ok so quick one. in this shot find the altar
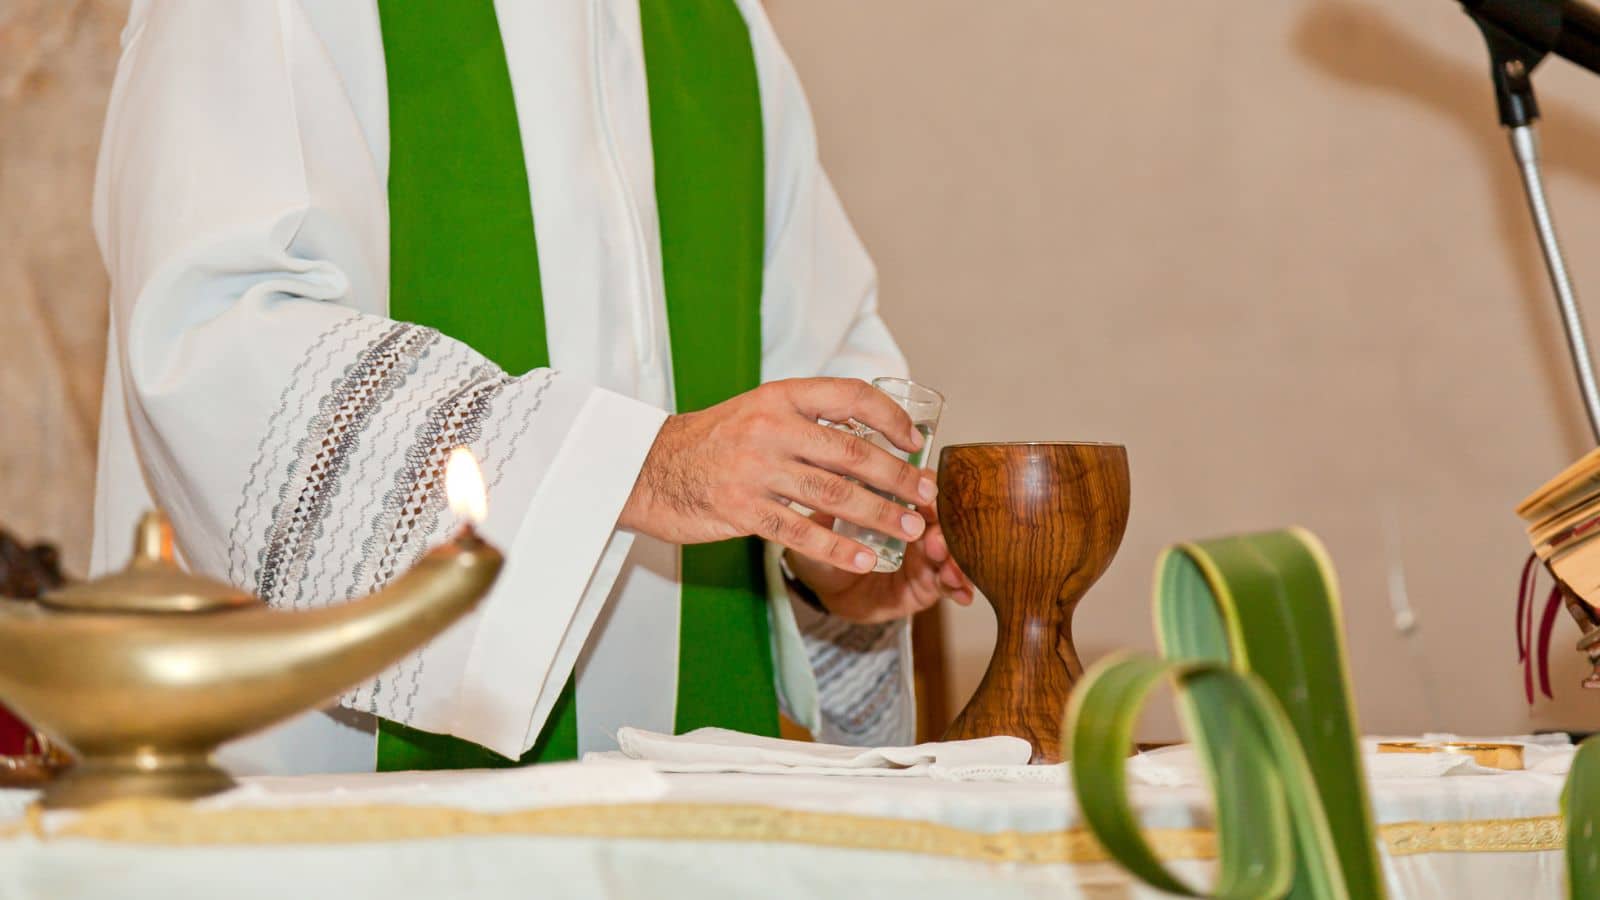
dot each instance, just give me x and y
(625, 829)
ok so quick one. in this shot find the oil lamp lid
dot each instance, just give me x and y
(152, 582)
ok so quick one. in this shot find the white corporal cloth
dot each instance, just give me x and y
(620, 829)
(257, 391)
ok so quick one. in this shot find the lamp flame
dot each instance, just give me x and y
(463, 485)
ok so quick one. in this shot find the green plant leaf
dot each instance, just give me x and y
(1275, 597)
(1101, 716)
(1253, 636)
(1580, 804)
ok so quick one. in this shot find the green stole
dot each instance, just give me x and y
(463, 260)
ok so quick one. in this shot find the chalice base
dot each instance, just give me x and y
(93, 781)
(1025, 701)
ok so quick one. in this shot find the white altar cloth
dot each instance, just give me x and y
(620, 829)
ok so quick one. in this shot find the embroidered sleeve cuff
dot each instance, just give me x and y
(346, 492)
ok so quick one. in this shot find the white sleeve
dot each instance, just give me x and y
(293, 432)
(848, 684)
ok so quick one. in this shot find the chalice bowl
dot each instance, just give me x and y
(1034, 525)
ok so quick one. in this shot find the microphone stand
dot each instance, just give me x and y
(1512, 63)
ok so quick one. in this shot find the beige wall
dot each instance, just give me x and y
(56, 62)
(1274, 246)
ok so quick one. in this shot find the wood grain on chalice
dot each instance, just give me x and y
(1034, 525)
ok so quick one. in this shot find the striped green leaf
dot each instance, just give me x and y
(1253, 638)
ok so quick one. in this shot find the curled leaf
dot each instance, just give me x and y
(1267, 804)
(1253, 638)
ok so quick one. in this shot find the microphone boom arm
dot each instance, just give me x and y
(1525, 147)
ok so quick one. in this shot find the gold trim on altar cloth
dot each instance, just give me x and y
(174, 824)
(1481, 836)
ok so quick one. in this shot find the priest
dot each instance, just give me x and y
(590, 241)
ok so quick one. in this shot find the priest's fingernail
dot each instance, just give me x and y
(865, 561)
(912, 525)
(927, 490)
(917, 440)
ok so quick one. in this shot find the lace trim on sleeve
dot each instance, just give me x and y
(347, 489)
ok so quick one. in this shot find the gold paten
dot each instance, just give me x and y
(1485, 753)
(142, 674)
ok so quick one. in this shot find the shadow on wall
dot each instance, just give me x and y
(1357, 44)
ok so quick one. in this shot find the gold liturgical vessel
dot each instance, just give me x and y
(144, 673)
(1493, 755)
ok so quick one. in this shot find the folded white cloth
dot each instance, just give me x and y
(720, 750)
(1179, 766)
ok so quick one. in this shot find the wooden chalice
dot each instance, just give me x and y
(1034, 526)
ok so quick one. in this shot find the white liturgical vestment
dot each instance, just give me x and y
(257, 391)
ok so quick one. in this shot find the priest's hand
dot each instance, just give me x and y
(928, 573)
(731, 471)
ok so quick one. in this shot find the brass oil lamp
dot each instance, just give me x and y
(142, 674)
